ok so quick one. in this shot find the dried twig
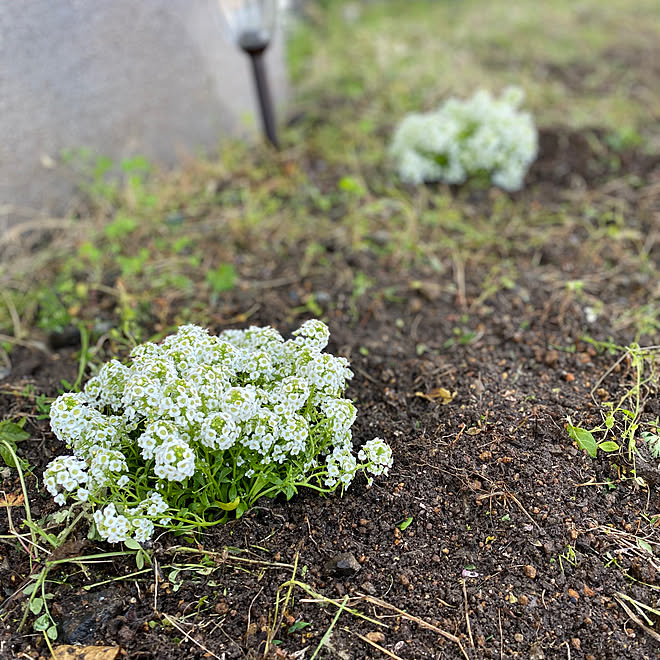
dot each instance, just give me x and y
(415, 619)
(382, 649)
(189, 637)
(467, 614)
(637, 620)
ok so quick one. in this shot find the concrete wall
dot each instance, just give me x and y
(122, 77)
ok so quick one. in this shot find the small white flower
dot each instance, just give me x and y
(378, 454)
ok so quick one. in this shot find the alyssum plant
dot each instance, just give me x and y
(201, 425)
(481, 136)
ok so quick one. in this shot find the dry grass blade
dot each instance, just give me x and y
(467, 614)
(28, 343)
(415, 619)
(279, 617)
(189, 637)
(226, 557)
(632, 544)
(382, 649)
(320, 598)
(15, 233)
(328, 632)
(636, 619)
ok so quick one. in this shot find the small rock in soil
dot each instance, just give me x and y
(344, 565)
(68, 337)
(536, 652)
(221, 607)
(368, 588)
(530, 571)
(644, 571)
(88, 615)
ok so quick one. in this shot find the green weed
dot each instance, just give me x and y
(623, 421)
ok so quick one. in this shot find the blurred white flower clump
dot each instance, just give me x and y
(481, 136)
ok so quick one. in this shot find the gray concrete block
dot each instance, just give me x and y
(157, 78)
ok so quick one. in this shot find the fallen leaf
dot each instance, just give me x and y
(68, 652)
(12, 499)
(441, 394)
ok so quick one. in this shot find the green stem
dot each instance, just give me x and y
(328, 632)
(26, 501)
(208, 473)
(84, 356)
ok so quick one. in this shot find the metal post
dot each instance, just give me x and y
(256, 54)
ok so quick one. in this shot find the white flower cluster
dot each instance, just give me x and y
(378, 456)
(479, 136)
(247, 399)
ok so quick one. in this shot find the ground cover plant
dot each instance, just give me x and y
(499, 340)
(203, 424)
(480, 137)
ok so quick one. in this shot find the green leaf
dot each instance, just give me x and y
(139, 560)
(36, 605)
(653, 442)
(223, 278)
(584, 439)
(52, 632)
(241, 508)
(608, 446)
(42, 623)
(298, 625)
(6, 454)
(229, 506)
(30, 588)
(132, 544)
(405, 523)
(351, 185)
(644, 545)
(12, 432)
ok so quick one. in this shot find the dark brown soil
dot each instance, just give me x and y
(517, 544)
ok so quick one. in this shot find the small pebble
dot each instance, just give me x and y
(530, 571)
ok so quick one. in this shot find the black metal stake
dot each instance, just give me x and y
(256, 52)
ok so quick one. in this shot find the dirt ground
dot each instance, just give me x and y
(494, 536)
